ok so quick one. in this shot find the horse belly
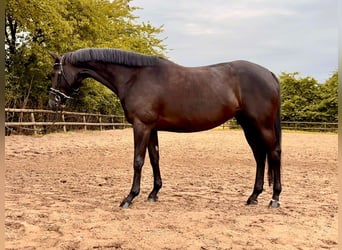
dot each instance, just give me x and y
(193, 119)
(197, 99)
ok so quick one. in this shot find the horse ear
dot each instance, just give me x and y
(55, 56)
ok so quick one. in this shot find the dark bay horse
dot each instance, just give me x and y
(159, 95)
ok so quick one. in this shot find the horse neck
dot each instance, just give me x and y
(112, 76)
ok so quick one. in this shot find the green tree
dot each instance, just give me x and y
(298, 95)
(35, 27)
(327, 106)
(304, 99)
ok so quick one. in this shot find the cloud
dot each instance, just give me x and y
(281, 35)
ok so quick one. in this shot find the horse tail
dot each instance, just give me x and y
(277, 149)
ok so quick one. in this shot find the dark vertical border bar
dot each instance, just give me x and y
(339, 161)
(2, 124)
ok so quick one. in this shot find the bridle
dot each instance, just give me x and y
(58, 95)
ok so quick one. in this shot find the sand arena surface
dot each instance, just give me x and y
(63, 192)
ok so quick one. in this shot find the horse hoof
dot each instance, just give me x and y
(274, 204)
(125, 204)
(151, 199)
(252, 202)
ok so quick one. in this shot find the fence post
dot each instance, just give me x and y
(112, 120)
(34, 125)
(100, 121)
(64, 126)
(20, 119)
(84, 121)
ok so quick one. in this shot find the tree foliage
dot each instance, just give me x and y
(35, 27)
(304, 99)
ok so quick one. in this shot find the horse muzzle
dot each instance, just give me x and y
(55, 106)
(57, 99)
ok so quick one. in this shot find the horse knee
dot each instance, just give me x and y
(138, 163)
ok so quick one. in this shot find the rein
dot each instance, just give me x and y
(58, 94)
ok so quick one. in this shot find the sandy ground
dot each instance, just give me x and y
(63, 192)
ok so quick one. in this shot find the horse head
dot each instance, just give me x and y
(65, 81)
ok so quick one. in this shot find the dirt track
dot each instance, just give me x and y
(63, 192)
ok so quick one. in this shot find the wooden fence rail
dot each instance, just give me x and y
(304, 126)
(311, 126)
(42, 121)
(34, 121)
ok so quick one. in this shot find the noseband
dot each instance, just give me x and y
(56, 92)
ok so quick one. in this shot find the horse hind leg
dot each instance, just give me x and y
(274, 166)
(258, 147)
(274, 162)
(272, 148)
(153, 150)
(259, 153)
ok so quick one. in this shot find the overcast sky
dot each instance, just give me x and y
(282, 35)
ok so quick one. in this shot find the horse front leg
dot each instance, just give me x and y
(141, 140)
(153, 151)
